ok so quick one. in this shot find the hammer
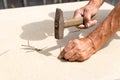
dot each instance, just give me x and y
(60, 24)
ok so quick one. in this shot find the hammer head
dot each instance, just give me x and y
(59, 24)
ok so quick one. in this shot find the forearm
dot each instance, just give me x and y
(106, 29)
(96, 3)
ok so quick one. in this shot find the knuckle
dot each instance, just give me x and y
(83, 57)
(76, 41)
(66, 56)
(86, 9)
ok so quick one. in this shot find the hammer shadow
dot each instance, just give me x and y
(38, 31)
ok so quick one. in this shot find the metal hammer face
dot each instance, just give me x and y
(59, 24)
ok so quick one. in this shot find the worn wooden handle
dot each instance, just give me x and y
(75, 21)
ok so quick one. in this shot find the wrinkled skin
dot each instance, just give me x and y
(86, 12)
(82, 49)
(78, 50)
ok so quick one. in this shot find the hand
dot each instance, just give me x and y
(86, 12)
(78, 50)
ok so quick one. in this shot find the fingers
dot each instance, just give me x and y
(70, 55)
(67, 48)
(87, 25)
(70, 52)
(86, 17)
(78, 13)
(76, 51)
(87, 22)
(75, 57)
(66, 54)
(61, 54)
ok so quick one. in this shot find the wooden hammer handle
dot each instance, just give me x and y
(75, 21)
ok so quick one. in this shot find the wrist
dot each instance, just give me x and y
(96, 3)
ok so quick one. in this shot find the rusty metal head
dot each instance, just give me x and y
(59, 24)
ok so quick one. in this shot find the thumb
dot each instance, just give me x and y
(86, 20)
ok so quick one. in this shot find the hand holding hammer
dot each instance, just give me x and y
(60, 23)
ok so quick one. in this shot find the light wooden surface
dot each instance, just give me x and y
(36, 25)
